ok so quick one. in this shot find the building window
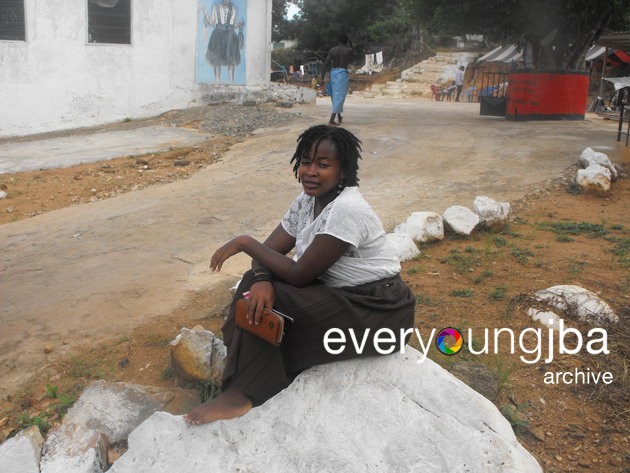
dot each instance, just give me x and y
(12, 25)
(109, 21)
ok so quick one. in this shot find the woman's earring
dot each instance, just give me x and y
(339, 188)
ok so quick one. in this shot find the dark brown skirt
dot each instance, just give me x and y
(261, 370)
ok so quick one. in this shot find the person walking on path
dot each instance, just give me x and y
(459, 82)
(337, 61)
(344, 276)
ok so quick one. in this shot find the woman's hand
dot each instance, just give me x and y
(228, 250)
(261, 295)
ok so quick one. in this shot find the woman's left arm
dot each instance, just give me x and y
(321, 254)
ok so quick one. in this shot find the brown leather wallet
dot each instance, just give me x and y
(272, 327)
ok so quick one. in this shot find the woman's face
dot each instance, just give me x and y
(320, 172)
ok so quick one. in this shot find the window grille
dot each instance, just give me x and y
(12, 25)
(109, 21)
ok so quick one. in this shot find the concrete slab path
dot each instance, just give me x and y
(92, 271)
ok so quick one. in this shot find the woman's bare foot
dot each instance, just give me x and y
(230, 403)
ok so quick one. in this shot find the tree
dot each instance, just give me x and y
(367, 22)
(558, 32)
(279, 20)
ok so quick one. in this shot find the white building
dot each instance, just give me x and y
(73, 63)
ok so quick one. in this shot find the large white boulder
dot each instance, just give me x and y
(22, 452)
(578, 302)
(460, 219)
(422, 226)
(384, 414)
(74, 448)
(115, 409)
(589, 156)
(594, 178)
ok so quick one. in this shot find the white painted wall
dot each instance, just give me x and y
(57, 80)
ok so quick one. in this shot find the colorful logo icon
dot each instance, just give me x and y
(449, 341)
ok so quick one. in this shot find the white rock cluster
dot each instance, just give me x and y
(105, 414)
(422, 227)
(597, 172)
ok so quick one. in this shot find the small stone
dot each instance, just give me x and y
(558, 457)
(49, 348)
(181, 163)
(141, 162)
(3, 195)
(3, 187)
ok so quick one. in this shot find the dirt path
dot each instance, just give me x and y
(93, 270)
(77, 275)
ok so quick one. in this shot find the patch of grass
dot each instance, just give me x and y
(564, 238)
(616, 227)
(620, 251)
(82, 368)
(576, 267)
(207, 390)
(66, 401)
(462, 261)
(499, 241)
(592, 230)
(155, 340)
(483, 276)
(426, 300)
(414, 270)
(25, 420)
(521, 255)
(52, 391)
(126, 120)
(515, 417)
(498, 293)
(461, 293)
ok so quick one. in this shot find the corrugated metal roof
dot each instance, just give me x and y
(502, 53)
(595, 52)
(615, 40)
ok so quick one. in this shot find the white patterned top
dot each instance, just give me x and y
(350, 219)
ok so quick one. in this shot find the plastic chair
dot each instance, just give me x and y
(436, 93)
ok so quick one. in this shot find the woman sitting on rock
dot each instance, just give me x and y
(344, 275)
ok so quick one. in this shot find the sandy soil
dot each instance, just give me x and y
(479, 282)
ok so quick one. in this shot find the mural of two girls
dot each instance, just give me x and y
(225, 21)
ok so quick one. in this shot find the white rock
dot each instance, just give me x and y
(578, 302)
(423, 226)
(403, 245)
(384, 414)
(3, 195)
(76, 449)
(198, 355)
(589, 156)
(547, 318)
(22, 452)
(491, 212)
(460, 219)
(594, 178)
(115, 409)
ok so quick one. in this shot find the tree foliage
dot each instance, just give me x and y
(559, 32)
(369, 23)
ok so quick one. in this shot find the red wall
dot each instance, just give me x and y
(536, 95)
